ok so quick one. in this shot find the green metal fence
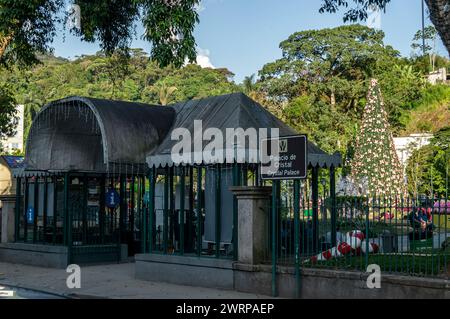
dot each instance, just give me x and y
(189, 211)
(69, 209)
(402, 235)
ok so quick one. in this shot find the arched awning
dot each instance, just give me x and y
(93, 135)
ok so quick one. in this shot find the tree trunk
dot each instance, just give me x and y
(4, 42)
(440, 16)
(333, 98)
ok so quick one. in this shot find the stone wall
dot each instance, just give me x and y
(335, 284)
(36, 255)
(181, 270)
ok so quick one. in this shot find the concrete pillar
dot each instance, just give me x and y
(8, 218)
(253, 223)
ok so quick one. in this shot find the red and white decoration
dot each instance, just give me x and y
(355, 244)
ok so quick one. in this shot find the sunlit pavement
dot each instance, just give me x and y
(104, 281)
(7, 292)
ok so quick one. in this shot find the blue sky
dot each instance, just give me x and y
(243, 35)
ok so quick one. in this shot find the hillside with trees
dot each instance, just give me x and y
(319, 85)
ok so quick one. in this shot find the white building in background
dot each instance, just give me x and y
(16, 142)
(439, 76)
(405, 146)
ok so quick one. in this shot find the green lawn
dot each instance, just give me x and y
(424, 263)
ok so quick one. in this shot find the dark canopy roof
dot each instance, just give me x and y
(95, 135)
(87, 134)
(230, 111)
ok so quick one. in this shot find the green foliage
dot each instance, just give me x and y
(423, 65)
(429, 34)
(430, 112)
(319, 86)
(333, 61)
(8, 118)
(359, 12)
(321, 81)
(401, 87)
(169, 27)
(130, 78)
(193, 81)
(28, 27)
(110, 22)
(324, 125)
(428, 167)
(431, 95)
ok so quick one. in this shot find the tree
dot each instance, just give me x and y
(426, 48)
(28, 27)
(193, 82)
(428, 167)
(248, 84)
(439, 13)
(116, 69)
(165, 93)
(401, 86)
(320, 84)
(328, 59)
(101, 76)
(429, 34)
(8, 117)
(375, 158)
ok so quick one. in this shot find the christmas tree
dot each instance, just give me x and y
(375, 159)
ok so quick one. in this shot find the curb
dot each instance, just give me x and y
(63, 296)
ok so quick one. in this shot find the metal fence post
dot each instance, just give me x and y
(181, 219)
(55, 208)
(190, 213)
(366, 255)
(45, 208)
(67, 220)
(199, 211)
(36, 208)
(132, 207)
(333, 205)
(17, 209)
(218, 209)
(151, 209)
(315, 207)
(275, 185)
(66, 207)
(122, 213)
(166, 211)
(297, 236)
(144, 215)
(235, 212)
(102, 209)
(85, 208)
(171, 232)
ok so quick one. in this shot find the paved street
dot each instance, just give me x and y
(107, 281)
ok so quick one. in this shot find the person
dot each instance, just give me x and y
(421, 220)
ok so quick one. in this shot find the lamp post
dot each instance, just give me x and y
(423, 27)
(323, 181)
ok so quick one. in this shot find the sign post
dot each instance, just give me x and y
(289, 163)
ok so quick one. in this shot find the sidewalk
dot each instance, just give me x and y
(107, 281)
